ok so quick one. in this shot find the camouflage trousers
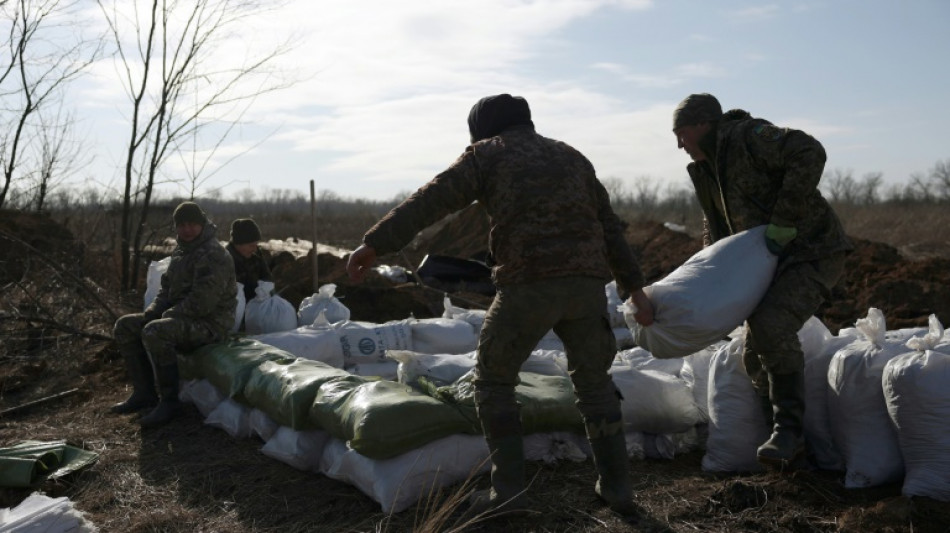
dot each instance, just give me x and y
(520, 315)
(160, 340)
(772, 344)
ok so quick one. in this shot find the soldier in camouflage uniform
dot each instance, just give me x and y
(195, 306)
(555, 242)
(748, 172)
(250, 266)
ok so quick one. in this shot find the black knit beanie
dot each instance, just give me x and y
(494, 114)
(189, 212)
(245, 230)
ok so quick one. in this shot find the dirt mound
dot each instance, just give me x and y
(20, 232)
(876, 275)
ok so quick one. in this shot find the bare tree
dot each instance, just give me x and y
(47, 51)
(940, 177)
(185, 97)
(60, 155)
(840, 186)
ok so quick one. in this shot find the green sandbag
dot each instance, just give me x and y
(228, 365)
(383, 419)
(285, 391)
(31, 462)
(547, 402)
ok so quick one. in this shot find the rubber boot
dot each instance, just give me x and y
(500, 417)
(169, 407)
(766, 404)
(507, 492)
(786, 445)
(609, 446)
(143, 395)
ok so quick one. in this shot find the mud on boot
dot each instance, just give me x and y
(609, 446)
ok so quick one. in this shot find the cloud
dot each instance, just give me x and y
(756, 13)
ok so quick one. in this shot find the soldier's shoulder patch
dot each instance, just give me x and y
(768, 132)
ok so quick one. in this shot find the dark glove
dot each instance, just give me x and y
(777, 237)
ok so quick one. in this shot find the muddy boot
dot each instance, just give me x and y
(143, 395)
(507, 492)
(786, 446)
(169, 407)
(609, 446)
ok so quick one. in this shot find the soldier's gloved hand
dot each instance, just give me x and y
(778, 237)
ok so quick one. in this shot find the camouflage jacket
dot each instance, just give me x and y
(249, 270)
(764, 174)
(199, 284)
(549, 214)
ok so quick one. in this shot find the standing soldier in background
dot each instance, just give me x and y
(555, 242)
(250, 266)
(748, 172)
(194, 307)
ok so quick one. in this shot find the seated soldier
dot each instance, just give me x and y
(195, 306)
(250, 266)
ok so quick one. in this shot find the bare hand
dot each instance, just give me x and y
(644, 307)
(361, 260)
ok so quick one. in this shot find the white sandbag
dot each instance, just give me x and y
(641, 359)
(267, 313)
(262, 425)
(203, 394)
(475, 317)
(388, 370)
(153, 279)
(695, 373)
(41, 514)
(635, 441)
(819, 346)
(613, 306)
(443, 335)
(556, 446)
(706, 297)
(654, 402)
(239, 309)
(302, 450)
(232, 417)
(546, 363)
(624, 338)
(319, 341)
(440, 369)
(325, 301)
(366, 342)
(860, 424)
(736, 423)
(550, 341)
(917, 394)
(398, 483)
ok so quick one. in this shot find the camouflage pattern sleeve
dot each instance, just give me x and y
(161, 303)
(213, 276)
(799, 157)
(450, 191)
(620, 259)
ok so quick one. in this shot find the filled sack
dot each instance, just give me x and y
(707, 297)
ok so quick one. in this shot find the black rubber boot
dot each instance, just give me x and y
(786, 446)
(140, 373)
(609, 446)
(169, 407)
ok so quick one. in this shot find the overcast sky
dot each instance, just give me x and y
(386, 86)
